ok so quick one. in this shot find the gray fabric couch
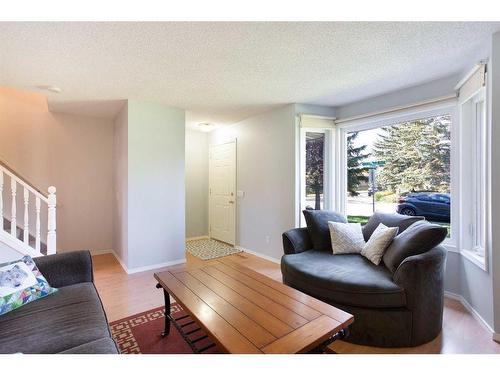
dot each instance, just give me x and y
(394, 305)
(72, 320)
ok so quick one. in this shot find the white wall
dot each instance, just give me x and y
(120, 185)
(266, 174)
(196, 183)
(494, 76)
(8, 254)
(80, 163)
(156, 185)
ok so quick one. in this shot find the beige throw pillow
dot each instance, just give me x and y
(379, 241)
(347, 238)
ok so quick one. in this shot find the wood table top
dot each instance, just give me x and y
(246, 312)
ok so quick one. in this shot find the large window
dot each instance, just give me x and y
(315, 167)
(399, 166)
(473, 176)
(314, 170)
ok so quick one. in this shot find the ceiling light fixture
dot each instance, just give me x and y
(50, 88)
(206, 126)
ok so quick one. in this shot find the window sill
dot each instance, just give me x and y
(474, 258)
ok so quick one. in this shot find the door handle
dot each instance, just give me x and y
(231, 201)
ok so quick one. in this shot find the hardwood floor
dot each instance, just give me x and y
(124, 295)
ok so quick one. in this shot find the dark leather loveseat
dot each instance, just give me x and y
(72, 320)
(398, 303)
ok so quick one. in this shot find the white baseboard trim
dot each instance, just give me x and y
(197, 238)
(150, 267)
(495, 336)
(100, 252)
(260, 255)
(155, 266)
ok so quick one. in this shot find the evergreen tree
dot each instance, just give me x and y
(416, 155)
(314, 168)
(355, 172)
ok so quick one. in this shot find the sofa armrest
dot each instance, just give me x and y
(296, 241)
(66, 268)
(422, 277)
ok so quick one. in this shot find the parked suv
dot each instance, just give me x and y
(434, 206)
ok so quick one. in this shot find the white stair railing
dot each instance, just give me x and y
(28, 239)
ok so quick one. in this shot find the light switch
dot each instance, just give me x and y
(240, 193)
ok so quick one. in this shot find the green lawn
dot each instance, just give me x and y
(357, 219)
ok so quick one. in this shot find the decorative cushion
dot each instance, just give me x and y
(347, 238)
(380, 239)
(390, 220)
(20, 283)
(317, 225)
(419, 238)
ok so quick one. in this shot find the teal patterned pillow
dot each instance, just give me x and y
(20, 283)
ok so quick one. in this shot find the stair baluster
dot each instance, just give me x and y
(37, 230)
(26, 232)
(19, 237)
(51, 225)
(13, 221)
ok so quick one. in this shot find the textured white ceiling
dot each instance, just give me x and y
(224, 72)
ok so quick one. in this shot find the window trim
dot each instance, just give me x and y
(404, 115)
(328, 185)
(479, 258)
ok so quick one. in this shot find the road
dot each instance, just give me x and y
(362, 205)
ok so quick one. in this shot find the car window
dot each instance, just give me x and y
(441, 198)
(423, 198)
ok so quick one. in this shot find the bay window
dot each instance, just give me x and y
(430, 159)
(398, 164)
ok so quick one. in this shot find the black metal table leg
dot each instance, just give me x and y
(320, 349)
(168, 317)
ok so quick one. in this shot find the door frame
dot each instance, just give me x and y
(210, 146)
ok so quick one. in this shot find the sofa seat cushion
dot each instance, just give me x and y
(348, 279)
(69, 318)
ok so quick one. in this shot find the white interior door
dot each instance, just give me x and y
(222, 194)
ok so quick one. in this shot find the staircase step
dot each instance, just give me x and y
(20, 236)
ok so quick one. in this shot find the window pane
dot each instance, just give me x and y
(314, 173)
(402, 168)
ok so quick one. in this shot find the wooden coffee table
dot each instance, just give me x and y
(244, 311)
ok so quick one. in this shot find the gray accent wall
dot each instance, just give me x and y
(478, 287)
(430, 90)
(196, 183)
(266, 175)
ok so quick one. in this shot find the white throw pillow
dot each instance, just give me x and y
(379, 241)
(347, 238)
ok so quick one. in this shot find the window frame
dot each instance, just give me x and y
(423, 111)
(327, 169)
(478, 255)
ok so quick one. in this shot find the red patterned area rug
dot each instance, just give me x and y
(141, 333)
